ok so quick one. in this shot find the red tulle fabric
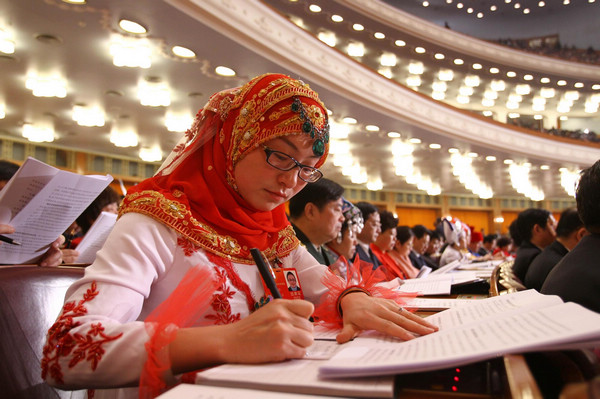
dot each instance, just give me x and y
(183, 308)
(359, 274)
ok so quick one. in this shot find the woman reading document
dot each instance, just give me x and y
(175, 288)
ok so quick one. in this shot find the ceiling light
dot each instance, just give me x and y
(178, 122)
(541, 4)
(435, 146)
(545, 80)
(446, 75)
(547, 92)
(413, 81)
(349, 120)
(513, 115)
(511, 74)
(512, 105)
(372, 128)
(563, 107)
(338, 146)
(477, 66)
(490, 158)
(487, 113)
(153, 154)
(545, 167)
(375, 185)
(458, 61)
(472, 155)
(472, 80)
(153, 94)
(439, 86)
(336, 18)
(328, 38)
(528, 77)
(314, 8)
(224, 71)
(52, 86)
(414, 140)
(508, 161)
(538, 117)
(563, 118)
(425, 4)
(470, 10)
(578, 85)
(493, 8)
(2, 110)
(517, 5)
(130, 52)
(523, 89)
(379, 35)
(438, 95)
(572, 95)
(439, 56)
(123, 138)
(387, 72)
(462, 99)
(596, 87)
(338, 130)
(420, 50)
(479, 15)
(393, 135)
(488, 102)
(490, 94)
(388, 59)
(465, 91)
(400, 43)
(494, 70)
(132, 27)
(183, 52)
(343, 160)
(358, 27)
(452, 150)
(74, 1)
(416, 68)
(459, 5)
(355, 49)
(561, 83)
(88, 116)
(591, 107)
(41, 133)
(7, 45)
(498, 85)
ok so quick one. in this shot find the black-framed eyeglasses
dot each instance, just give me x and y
(282, 161)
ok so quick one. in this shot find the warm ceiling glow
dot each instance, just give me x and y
(178, 122)
(183, 52)
(349, 120)
(132, 27)
(42, 133)
(379, 35)
(393, 135)
(420, 50)
(123, 137)
(490, 158)
(153, 94)
(85, 116)
(336, 18)
(314, 8)
(328, 38)
(52, 86)
(372, 128)
(224, 71)
(435, 146)
(130, 52)
(7, 44)
(358, 27)
(400, 43)
(355, 49)
(153, 154)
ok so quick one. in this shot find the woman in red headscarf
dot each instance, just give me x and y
(175, 287)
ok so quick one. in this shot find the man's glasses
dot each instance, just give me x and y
(282, 161)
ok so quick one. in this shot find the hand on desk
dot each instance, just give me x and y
(69, 255)
(53, 257)
(363, 312)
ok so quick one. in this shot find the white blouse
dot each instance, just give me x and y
(139, 266)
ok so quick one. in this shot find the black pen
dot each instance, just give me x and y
(265, 271)
(9, 240)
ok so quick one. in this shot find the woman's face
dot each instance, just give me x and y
(404, 249)
(265, 187)
(386, 239)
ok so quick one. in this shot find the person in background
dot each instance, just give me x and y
(569, 231)
(384, 243)
(53, 256)
(175, 288)
(400, 252)
(475, 243)
(432, 253)
(369, 233)
(420, 244)
(503, 248)
(456, 239)
(344, 245)
(533, 231)
(489, 244)
(576, 277)
(316, 216)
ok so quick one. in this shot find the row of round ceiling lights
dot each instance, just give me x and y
(494, 8)
(357, 50)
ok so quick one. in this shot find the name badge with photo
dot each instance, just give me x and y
(288, 283)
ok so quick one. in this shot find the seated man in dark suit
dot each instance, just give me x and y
(568, 233)
(420, 244)
(576, 278)
(316, 216)
(532, 231)
(369, 233)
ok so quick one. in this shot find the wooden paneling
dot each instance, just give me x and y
(480, 220)
(413, 216)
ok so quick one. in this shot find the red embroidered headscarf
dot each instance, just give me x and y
(194, 191)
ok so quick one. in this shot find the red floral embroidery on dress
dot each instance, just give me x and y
(220, 302)
(188, 247)
(61, 342)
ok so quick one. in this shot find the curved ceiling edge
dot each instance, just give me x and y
(261, 29)
(457, 41)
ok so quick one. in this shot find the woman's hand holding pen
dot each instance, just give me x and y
(276, 332)
(363, 312)
(6, 229)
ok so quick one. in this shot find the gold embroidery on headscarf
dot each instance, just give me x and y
(177, 216)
